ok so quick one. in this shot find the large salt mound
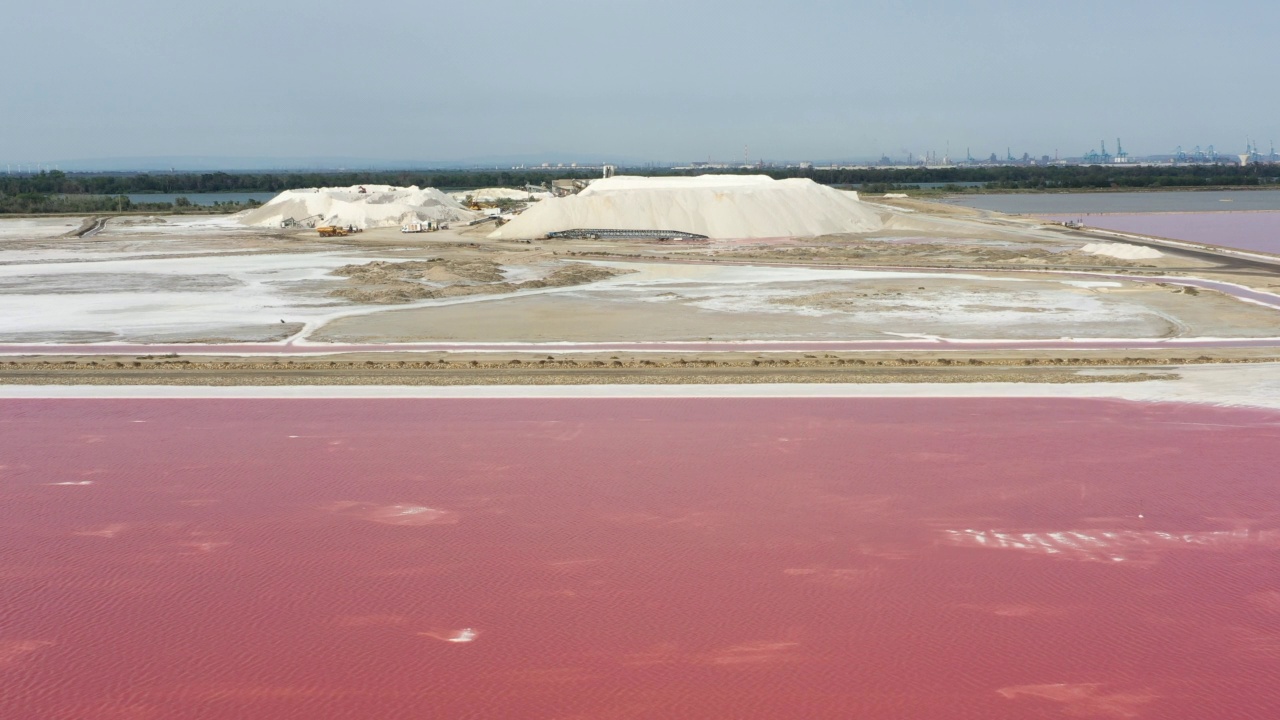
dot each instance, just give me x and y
(377, 206)
(494, 194)
(718, 206)
(1124, 251)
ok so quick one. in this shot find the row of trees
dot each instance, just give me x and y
(81, 192)
(31, 203)
(60, 183)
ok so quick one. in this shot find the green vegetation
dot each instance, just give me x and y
(60, 183)
(31, 203)
(58, 192)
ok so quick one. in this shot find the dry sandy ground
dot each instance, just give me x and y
(666, 368)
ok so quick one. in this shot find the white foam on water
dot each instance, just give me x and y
(464, 635)
(1110, 545)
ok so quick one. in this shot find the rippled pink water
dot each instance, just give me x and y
(1257, 231)
(637, 559)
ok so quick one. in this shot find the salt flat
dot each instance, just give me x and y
(215, 279)
(218, 295)
(695, 302)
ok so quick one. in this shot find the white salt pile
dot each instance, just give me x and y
(1124, 251)
(718, 206)
(495, 194)
(362, 206)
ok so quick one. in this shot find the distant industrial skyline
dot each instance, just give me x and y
(1103, 152)
(502, 82)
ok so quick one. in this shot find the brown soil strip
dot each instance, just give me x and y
(167, 371)
(313, 379)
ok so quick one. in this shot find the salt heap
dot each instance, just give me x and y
(1124, 251)
(495, 194)
(718, 206)
(362, 206)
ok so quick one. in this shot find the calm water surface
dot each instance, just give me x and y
(867, 558)
(1256, 231)
(201, 198)
(1123, 202)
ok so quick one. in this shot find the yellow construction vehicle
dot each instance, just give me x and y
(332, 231)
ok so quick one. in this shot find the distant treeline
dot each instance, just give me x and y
(34, 203)
(84, 192)
(1081, 177)
(60, 183)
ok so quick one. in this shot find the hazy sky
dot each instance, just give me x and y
(635, 79)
